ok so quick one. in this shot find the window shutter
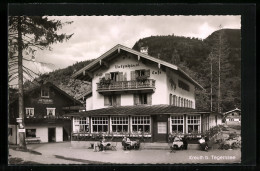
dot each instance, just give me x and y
(147, 72)
(136, 99)
(106, 101)
(149, 99)
(133, 75)
(107, 76)
(118, 100)
(121, 76)
(170, 99)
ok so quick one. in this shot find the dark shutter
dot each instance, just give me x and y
(136, 99)
(106, 101)
(120, 76)
(149, 99)
(133, 75)
(147, 72)
(107, 76)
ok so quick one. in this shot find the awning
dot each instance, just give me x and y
(139, 110)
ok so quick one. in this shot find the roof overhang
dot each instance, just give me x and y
(86, 73)
(139, 110)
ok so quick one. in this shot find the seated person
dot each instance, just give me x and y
(177, 143)
(101, 143)
(177, 139)
(203, 144)
(126, 142)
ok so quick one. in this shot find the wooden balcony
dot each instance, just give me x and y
(123, 86)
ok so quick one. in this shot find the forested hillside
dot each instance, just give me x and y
(192, 55)
(62, 79)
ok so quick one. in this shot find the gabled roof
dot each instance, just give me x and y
(139, 110)
(87, 93)
(118, 48)
(236, 109)
(53, 86)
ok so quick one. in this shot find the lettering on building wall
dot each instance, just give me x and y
(126, 66)
(45, 101)
(156, 72)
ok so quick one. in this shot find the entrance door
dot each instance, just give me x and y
(51, 135)
(160, 128)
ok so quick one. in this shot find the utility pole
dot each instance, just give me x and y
(210, 55)
(219, 68)
(20, 84)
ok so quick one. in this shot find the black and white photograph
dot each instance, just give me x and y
(124, 89)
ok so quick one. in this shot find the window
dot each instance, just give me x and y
(174, 100)
(119, 124)
(99, 124)
(162, 127)
(139, 73)
(29, 111)
(193, 123)
(142, 98)
(30, 133)
(50, 111)
(181, 102)
(177, 124)
(81, 124)
(112, 100)
(115, 76)
(141, 123)
(45, 92)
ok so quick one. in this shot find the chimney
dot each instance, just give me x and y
(144, 50)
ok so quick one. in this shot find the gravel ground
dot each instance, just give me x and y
(63, 153)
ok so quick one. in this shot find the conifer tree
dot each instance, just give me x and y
(27, 34)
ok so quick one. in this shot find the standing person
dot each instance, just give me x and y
(185, 142)
(203, 144)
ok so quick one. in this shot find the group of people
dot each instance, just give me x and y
(182, 143)
(127, 143)
(100, 146)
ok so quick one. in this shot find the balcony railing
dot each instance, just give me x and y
(125, 85)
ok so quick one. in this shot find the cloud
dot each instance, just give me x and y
(94, 35)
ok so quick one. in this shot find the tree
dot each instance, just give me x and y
(216, 72)
(27, 34)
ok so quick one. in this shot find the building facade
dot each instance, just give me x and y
(135, 94)
(45, 106)
(233, 116)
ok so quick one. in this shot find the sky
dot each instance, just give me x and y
(94, 35)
